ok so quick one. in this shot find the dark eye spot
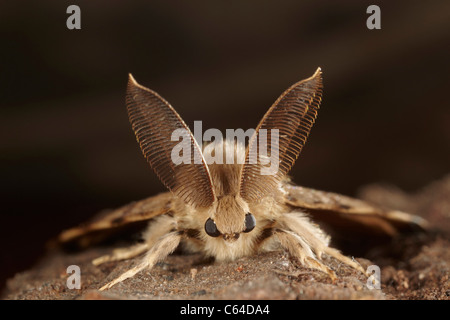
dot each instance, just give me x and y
(250, 222)
(211, 229)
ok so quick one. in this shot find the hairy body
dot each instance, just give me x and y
(276, 227)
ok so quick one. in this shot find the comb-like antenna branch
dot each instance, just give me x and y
(292, 116)
(154, 121)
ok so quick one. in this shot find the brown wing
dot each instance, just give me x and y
(113, 221)
(348, 219)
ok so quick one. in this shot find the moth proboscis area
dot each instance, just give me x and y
(231, 210)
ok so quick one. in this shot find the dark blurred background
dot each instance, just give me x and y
(67, 149)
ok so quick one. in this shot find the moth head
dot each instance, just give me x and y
(230, 217)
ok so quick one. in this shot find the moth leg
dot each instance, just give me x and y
(122, 254)
(315, 238)
(156, 229)
(301, 251)
(339, 256)
(160, 250)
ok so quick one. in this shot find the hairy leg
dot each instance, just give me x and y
(122, 254)
(161, 226)
(298, 231)
(299, 250)
(160, 250)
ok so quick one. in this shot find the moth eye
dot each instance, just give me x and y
(250, 222)
(211, 229)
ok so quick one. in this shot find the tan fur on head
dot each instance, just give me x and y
(230, 209)
(230, 214)
(225, 176)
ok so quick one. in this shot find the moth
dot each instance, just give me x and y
(231, 210)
